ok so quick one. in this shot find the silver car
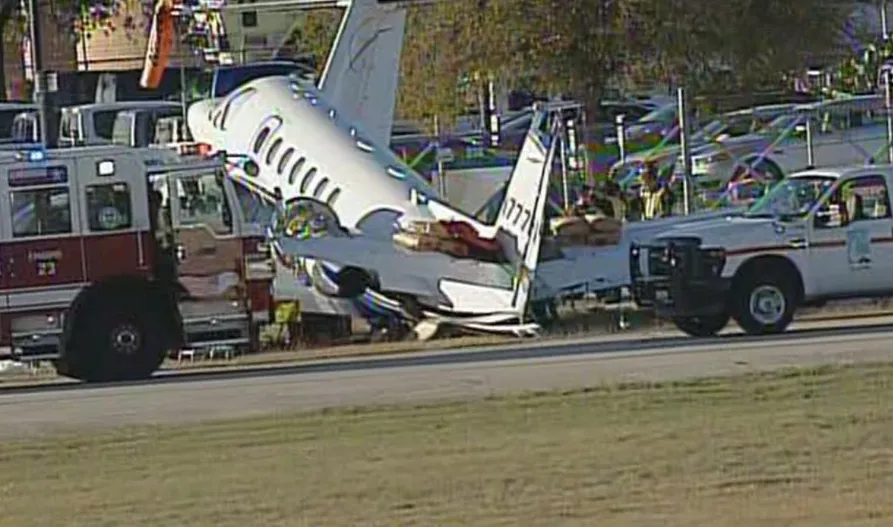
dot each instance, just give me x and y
(827, 133)
(727, 126)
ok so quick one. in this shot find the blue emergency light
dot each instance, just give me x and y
(32, 155)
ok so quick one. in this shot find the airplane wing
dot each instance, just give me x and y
(396, 268)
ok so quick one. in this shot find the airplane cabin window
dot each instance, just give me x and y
(333, 197)
(295, 170)
(261, 138)
(273, 149)
(321, 187)
(308, 177)
(283, 161)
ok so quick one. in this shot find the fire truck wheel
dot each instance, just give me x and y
(764, 300)
(116, 341)
(701, 326)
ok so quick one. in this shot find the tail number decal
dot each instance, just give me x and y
(520, 211)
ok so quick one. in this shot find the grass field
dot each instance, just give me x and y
(800, 447)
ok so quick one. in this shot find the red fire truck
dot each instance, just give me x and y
(112, 257)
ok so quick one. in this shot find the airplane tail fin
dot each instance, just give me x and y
(519, 226)
(362, 70)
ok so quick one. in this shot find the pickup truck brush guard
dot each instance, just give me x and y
(680, 279)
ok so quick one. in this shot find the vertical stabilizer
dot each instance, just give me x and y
(519, 227)
(362, 71)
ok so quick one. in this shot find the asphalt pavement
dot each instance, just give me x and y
(432, 376)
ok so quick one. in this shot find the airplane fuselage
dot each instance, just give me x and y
(304, 148)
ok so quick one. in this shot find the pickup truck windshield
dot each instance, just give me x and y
(791, 198)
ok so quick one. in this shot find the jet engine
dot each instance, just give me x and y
(344, 282)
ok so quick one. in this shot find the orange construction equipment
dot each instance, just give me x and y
(161, 42)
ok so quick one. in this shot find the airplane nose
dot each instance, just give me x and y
(198, 118)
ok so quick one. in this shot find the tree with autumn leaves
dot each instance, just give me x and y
(579, 47)
(573, 47)
(73, 18)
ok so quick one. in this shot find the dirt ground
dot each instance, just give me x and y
(795, 448)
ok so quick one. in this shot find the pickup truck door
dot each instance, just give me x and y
(827, 253)
(854, 259)
(870, 234)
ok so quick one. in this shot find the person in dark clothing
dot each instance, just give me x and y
(164, 253)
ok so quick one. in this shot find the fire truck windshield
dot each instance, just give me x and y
(203, 201)
(40, 212)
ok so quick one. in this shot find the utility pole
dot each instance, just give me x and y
(884, 29)
(45, 131)
(685, 146)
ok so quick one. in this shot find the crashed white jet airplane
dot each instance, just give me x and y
(305, 153)
(302, 148)
(435, 288)
(305, 146)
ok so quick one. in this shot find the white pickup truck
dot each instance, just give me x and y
(818, 235)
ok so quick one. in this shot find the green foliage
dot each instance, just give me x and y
(578, 47)
(315, 32)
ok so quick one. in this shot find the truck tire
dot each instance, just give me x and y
(117, 339)
(707, 326)
(764, 302)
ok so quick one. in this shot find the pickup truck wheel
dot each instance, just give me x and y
(707, 326)
(764, 303)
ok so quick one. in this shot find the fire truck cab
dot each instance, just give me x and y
(112, 257)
